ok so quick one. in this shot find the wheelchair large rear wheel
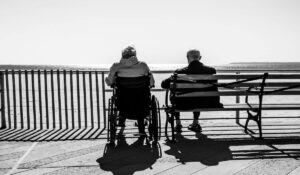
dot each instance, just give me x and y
(112, 115)
(155, 119)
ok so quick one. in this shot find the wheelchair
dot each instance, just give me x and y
(132, 99)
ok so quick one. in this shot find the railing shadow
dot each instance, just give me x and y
(59, 134)
(211, 152)
(127, 158)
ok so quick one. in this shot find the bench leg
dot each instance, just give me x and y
(237, 117)
(172, 127)
(257, 119)
(260, 130)
(166, 126)
(170, 119)
(259, 125)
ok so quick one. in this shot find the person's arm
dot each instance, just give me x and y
(165, 84)
(110, 79)
(148, 72)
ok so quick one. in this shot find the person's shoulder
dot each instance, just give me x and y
(115, 64)
(181, 70)
(210, 68)
(142, 63)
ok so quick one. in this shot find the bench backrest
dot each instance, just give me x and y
(227, 84)
(283, 84)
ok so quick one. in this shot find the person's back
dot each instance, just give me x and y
(194, 67)
(129, 67)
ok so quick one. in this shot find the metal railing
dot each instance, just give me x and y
(52, 99)
(64, 99)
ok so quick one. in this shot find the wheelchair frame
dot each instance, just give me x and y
(154, 120)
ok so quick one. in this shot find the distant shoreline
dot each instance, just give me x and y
(164, 67)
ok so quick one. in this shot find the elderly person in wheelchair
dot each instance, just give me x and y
(131, 81)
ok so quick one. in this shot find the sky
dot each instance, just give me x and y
(96, 31)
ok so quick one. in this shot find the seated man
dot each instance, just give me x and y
(129, 66)
(194, 67)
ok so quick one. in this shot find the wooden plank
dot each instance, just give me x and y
(183, 85)
(194, 77)
(213, 93)
(234, 107)
(283, 76)
(286, 92)
(191, 85)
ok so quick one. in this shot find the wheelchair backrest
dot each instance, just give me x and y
(133, 82)
(133, 96)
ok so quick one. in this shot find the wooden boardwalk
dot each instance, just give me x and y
(222, 148)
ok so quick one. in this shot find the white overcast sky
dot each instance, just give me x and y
(95, 31)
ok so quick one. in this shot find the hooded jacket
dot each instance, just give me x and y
(130, 67)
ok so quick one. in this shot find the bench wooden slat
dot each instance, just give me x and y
(231, 93)
(255, 84)
(195, 77)
(283, 76)
(213, 93)
(287, 92)
(236, 107)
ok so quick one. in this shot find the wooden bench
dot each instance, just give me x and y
(246, 84)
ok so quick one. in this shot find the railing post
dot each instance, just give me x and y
(14, 98)
(72, 99)
(59, 100)
(27, 99)
(21, 99)
(91, 99)
(40, 99)
(98, 104)
(66, 99)
(46, 99)
(78, 99)
(53, 99)
(84, 99)
(33, 98)
(103, 97)
(3, 121)
(237, 100)
(8, 99)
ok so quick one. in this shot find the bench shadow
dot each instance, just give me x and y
(127, 158)
(204, 150)
(211, 152)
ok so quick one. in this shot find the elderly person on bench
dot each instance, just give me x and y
(129, 66)
(194, 67)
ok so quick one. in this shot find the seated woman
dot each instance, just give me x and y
(129, 66)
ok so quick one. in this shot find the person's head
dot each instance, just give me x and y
(193, 55)
(128, 52)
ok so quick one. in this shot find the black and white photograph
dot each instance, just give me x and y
(123, 87)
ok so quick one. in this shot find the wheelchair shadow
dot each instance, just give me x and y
(204, 150)
(127, 158)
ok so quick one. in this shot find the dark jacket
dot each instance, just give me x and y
(195, 67)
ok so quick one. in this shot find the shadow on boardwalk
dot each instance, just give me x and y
(211, 152)
(127, 158)
(204, 150)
